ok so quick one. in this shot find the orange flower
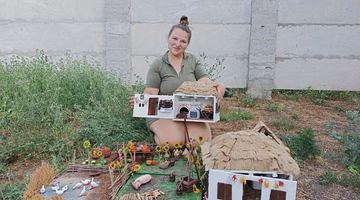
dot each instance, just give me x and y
(132, 148)
(145, 149)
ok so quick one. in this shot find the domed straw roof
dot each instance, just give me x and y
(254, 150)
(196, 88)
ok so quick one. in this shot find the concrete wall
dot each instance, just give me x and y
(318, 45)
(282, 44)
(54, 26)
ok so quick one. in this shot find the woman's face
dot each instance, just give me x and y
(178, 41)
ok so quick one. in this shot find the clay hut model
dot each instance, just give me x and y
(256, 156)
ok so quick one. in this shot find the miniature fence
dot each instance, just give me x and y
(237, 180)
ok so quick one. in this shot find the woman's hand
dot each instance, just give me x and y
(132, 101)
(220, 88)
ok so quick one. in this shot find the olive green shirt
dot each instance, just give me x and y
(163, 76)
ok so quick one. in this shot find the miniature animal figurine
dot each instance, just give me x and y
(42, 190)
(83, 191)
(93, 183)
(86, 181)
(141, 180)
(59, 192)
(77, 185)
(55, 186)
(66, 187)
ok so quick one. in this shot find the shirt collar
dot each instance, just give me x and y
(165, 57)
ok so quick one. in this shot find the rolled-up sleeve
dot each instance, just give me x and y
(153, 76)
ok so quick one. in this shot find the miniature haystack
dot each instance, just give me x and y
(254, 150)
(196, 88)
(43, 175)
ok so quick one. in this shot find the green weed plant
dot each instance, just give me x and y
(350, 139)
(49, 108)
(304, 145)
(235, 115)
(273, 107)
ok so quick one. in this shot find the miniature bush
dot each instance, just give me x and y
(304, 145)
(235, 115)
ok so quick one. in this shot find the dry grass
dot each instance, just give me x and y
(43, 175)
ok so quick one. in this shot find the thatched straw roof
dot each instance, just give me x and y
(258, 150)
(196, 88)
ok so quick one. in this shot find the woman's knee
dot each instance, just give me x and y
(168, 131)
(199, 131)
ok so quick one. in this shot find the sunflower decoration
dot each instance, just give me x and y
(135, 168)
(158, 149)
(166, 147)
(86, 144)
(178, 145)
(113, 165)
(197, 191)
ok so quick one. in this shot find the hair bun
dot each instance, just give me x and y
(184, 21)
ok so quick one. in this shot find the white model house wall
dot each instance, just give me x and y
(266, 44)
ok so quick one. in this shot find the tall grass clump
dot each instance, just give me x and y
(48, 108)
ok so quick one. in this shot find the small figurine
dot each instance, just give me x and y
(42, 190)
(77, 185)
(176, 154)
(93, 183)
(55, 185)
(86, 181)
(83, 191)
(172, 176)
(141, 180)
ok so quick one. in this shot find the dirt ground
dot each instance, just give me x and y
(308, 115)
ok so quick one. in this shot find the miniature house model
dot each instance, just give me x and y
(192, 103)
(256, 158)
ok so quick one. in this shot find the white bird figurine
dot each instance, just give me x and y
(82, 193)
(86, 181)
(77, 185)
(59, 192)
(66, 187)
(55, 186)
(93, 183)
(42, 190)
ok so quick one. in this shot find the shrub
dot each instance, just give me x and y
(273, 107)
(47, 109)
(235, 115)
(304, 145)
(350, 180)
(248, 101)
(327, 178)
